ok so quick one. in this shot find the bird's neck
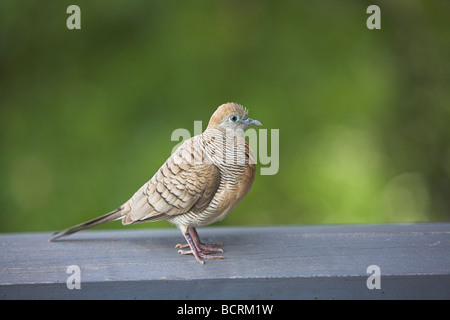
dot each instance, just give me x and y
(227, 132)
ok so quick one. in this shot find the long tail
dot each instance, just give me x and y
(111, 216)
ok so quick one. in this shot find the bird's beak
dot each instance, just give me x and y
(250, 121)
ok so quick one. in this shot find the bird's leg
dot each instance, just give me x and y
(193, 250)
(202, 247)
(193, 243)
(205, 247)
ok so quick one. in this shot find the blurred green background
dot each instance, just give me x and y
(86, 116)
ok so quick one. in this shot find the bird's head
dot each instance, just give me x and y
(232, 116)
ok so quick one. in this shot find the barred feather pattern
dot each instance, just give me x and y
(199, 184)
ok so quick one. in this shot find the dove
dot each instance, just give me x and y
(205, 178)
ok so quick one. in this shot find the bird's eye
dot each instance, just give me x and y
(234, 118)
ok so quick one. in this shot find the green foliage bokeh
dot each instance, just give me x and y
(86, 116)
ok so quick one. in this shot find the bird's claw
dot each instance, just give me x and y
(202, 254)
(203, 247)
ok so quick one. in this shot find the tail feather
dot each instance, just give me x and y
(111, 216)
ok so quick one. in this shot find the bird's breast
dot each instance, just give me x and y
(234, 159)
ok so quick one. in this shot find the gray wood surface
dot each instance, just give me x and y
(300, 262)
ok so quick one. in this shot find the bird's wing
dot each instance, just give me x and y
(186, 181)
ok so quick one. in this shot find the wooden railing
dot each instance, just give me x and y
(398, 261)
